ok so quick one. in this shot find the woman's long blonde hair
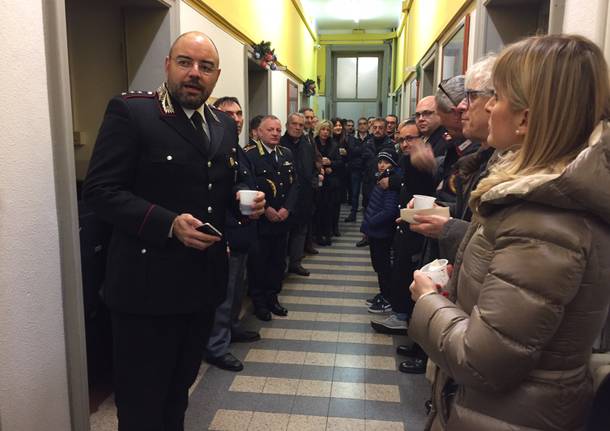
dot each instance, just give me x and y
(563, 81)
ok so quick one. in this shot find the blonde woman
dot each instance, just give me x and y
(329, 195)
(529, 292)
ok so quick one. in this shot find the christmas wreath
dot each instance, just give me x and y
(309, 87)
(265, 55)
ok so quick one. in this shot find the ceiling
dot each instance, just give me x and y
(342, 16)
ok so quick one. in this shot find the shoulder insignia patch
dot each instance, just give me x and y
(141, 94)
(249, 147)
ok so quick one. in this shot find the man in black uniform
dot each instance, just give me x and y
(240, 234)
(276, 176)
(163, 165)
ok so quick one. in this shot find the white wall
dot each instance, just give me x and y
(589, 20)
(279, 95)
(232, 81)
(33, 380)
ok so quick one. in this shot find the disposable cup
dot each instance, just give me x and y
(422, 202)
(437, 271)
(246, 199)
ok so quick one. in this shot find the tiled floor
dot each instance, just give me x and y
(320, 368)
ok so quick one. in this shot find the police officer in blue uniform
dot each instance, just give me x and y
(275, 173)
(163, 165)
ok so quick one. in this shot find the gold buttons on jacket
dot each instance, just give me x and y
(143, 251)
(169, 157)
(209, 164)
(210, 186)
(209, 210)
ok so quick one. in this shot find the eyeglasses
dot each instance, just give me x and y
(424, 114)
(472, 95)
(408, 139)
(187, 63)
(451, 99)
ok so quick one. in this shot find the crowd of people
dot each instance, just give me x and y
(525, 179)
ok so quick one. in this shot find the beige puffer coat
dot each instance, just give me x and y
(531, 287)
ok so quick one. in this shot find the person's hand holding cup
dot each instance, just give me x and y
(251, 203)
(437, 271)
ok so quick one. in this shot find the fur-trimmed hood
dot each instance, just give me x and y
(584, 185)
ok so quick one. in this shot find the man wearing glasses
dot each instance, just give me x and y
(449, 95)
(164, 166)
(429, 125)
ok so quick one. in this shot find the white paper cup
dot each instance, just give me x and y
(246, 199)
(437, 271)
(422, 202)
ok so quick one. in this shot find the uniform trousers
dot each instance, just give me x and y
(156, 360)
(226, 318)
(266, 267)
(381, 258)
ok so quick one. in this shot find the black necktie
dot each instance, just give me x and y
(198, 123)
(274, 159)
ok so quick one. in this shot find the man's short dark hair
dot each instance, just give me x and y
(349, 120)
(371, 118)
(227, 99)
(255, 122)
(392, 115)
(304, 110)
(363, 118)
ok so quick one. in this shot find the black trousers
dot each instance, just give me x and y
(407, 254)
(266, 267)
(156, 360)
(381, 258)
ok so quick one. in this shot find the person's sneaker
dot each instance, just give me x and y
(380, 307)
(390, 325)
(373, 300)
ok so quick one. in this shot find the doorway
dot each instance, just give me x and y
(259, 90)
(136, 38)
(357, 84)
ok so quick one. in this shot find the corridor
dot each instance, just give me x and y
(322, 366)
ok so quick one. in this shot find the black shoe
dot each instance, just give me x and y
(262, 314)
(350, 218)
(408, 351)
(226, 362)
(278, 310)
(363, 242)
(244, 336)
(324, 241)
(311, 250)
(373, 300)
(413, 366)
(299, 270)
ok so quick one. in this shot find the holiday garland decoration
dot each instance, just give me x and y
(265, 55)
(309, 87)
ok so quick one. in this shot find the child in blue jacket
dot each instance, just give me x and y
(378, 225)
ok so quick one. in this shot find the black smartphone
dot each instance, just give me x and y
(209, 229)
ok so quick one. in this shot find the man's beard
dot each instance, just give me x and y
(185, 100)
